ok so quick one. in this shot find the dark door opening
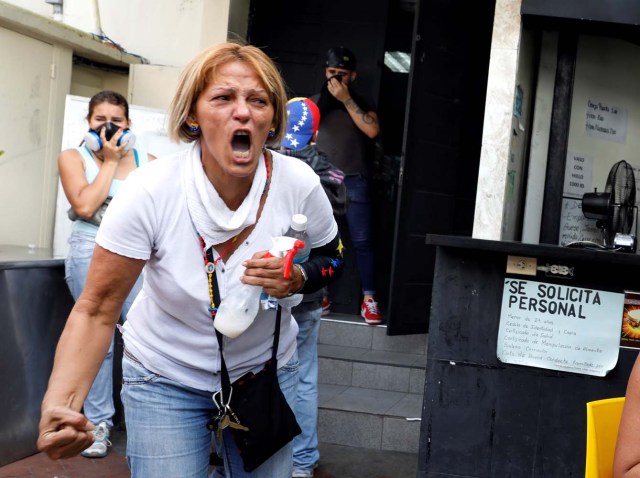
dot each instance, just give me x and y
(392, 103)
(297, 35)
(442, 145)
(425, 168)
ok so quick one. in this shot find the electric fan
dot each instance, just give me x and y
(615, 209)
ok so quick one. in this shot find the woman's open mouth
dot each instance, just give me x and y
(241, 144)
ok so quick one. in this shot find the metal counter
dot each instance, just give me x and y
(34, 305)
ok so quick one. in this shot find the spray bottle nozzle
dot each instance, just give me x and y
(289, 256)
(285, 247)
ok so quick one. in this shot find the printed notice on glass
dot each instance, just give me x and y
(606, 121)
(559, 327)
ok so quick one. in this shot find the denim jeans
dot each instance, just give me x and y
(305, 445)
(98, 406)
(360, 230)
(167, 434)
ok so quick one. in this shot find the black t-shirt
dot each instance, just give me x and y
(345, 145)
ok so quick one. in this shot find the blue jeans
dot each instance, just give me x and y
(305, 445)
(98, 406)
(167, 433)
(360, 229)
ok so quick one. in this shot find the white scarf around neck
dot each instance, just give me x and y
(211, 217)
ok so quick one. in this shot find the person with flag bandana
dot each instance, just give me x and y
(303, 118)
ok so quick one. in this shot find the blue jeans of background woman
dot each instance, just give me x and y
(98, 406)
(360, 229)
(166, 428)
(305, 445)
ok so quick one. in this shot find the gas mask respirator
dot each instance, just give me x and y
(93, 141)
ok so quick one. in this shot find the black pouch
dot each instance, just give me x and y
(96, 219)
(259, 404)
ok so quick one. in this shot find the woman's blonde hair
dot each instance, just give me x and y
(203, 68)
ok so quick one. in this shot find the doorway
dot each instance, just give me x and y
(370, 28)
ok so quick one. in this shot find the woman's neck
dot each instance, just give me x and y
(233, 190)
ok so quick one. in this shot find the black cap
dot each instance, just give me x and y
(341, 57)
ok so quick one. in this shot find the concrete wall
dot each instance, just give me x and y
(39, 7)
(29, 135)
(158, 37)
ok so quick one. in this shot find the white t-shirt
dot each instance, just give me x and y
(169, 328)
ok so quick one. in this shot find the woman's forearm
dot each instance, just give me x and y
(81, 349)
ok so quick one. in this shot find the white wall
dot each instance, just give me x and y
(152, 85)
(89, 81)
(167, 33)
(32, 98)
(39, 7)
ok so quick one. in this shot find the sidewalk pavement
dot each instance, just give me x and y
(335, 462)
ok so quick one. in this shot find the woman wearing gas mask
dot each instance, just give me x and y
(91, 175)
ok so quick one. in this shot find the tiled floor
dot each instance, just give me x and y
(336, 462)
(113, 466)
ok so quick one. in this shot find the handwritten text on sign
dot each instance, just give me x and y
(574, 226)
(606, 121)
(559, 327)
(578, 175)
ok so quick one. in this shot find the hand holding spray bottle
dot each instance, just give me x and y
(237, 311)
(297, 230)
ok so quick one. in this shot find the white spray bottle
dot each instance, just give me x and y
(237, 311)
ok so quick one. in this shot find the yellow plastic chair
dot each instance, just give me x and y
(603, 421)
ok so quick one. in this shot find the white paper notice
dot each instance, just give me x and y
(559, 327)
(578, 175)
(574, 226)
(606, 121)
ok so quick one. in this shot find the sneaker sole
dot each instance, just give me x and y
(371, 321)
(94, 456)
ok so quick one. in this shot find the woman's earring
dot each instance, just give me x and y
(194, 127)
(272, 132)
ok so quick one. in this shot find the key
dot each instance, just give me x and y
(222, 424)
(212, 424)
(235, 423)
(236, 426)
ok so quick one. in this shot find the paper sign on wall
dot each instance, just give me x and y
(606, 121)
(559, 327)
(574, 226)
(578, 175)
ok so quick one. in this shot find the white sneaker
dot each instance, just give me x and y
(304, 474)
(101, 444)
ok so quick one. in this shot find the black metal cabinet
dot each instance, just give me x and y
(34, 305)
(485, 418)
